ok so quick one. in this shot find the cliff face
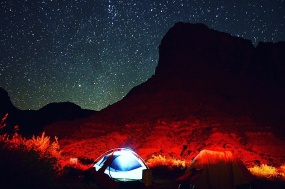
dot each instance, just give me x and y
(206, 73)
(194, 49)
(210, 91)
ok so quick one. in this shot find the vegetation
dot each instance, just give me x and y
(166, 167)
(27, 163)
(170, 162)
(37, 162)
(269, 172)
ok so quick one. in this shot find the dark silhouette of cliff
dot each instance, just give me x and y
(210, 90)
(6, 106)
(5, 102)
(206, 74)
(197, 50)
(201, 74)
(33, 121)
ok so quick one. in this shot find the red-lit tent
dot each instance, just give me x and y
(216, 170)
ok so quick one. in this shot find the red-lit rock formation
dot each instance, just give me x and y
(210, 90)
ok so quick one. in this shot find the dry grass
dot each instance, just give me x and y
(166, 167)
(43, 145)
(48, 148)
(262, 171)
(29, 163)
(269, 172)
(170, 162)
(40, 144)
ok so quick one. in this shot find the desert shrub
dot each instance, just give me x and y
(269, 172)
(40, 144)
(166, 167)
(20, 167)
(28, 163)
(43, 145)
(170, 162)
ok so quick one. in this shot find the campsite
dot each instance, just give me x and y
(209, 169)
(123, 168)
(211, 117)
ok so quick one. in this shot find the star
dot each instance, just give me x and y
(107, 47)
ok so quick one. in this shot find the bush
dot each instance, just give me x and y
(25, 169)
(171, 163)
(269, 172)
(166, 167)
(28, 163)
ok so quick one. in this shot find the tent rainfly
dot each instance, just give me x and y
(215, 170)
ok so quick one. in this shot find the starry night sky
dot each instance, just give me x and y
(93, 52)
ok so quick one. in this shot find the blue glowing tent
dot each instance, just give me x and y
(121, 164)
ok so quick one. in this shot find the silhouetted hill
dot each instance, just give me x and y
(33, 121)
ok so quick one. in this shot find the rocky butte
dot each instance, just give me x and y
(210, 90)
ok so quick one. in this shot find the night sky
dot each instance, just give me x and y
(93, 52)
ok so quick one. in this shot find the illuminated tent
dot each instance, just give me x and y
(216, 170)
(121, 164)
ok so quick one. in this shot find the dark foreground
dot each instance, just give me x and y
(169, 184)
(161, 180)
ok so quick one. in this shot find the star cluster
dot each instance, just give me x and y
(93, 52)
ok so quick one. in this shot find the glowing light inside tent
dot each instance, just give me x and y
(126, 161)
(125, 165)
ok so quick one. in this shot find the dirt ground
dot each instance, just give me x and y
(161, 180)
(170, 184)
